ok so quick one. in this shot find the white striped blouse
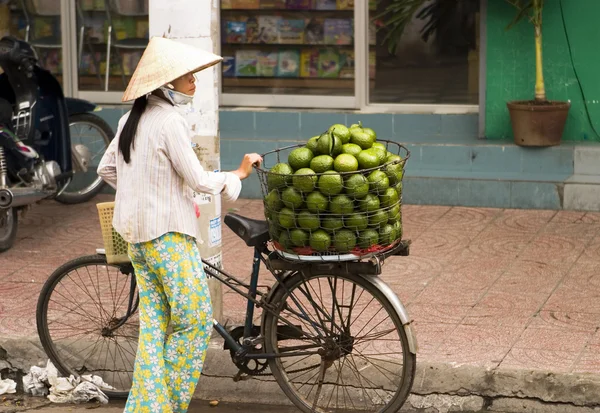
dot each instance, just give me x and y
(155, 189)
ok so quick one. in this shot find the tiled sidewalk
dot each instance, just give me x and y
(485, 287)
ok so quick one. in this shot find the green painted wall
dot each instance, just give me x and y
(511, 66)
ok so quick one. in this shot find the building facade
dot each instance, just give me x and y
(294, 67)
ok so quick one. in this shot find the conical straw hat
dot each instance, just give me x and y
(163, 61)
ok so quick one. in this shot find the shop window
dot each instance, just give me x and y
(111, 37)
(39, 23)
(299, 47)
(433, 60)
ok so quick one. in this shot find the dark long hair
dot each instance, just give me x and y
(127, 138)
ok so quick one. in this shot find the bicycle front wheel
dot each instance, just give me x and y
(353, 352)
(84, 324)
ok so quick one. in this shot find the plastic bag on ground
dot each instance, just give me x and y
(82, 393)
(8, 386)
(45, 381)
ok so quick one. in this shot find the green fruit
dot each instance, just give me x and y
(388, 198)
(332, 224)
(369, 203)
(344, 240)
(329, 144)
(331, 183)
(279, 176)
(378, 218)
(341, 131)
(361, 138)
(394, 171)
(298, 237)
(356, 222)
(394, 214)
(320, 240)
(345, 163)
(337, 146)
(367, 159)
(368, 238)
(273, 201)
(357, 186)
(284, 239)
(312, 144)
(325, 144)
(274, 228)
(321, 163)
(378, 181)
(300, 158)
(351, 149)
(387, 234)
(308, 221)
(398, 228)
(392, 157)
(380, 145)
(398, 188)
(287, 218)
(304, 180)
(272, 215)
(292, 198)
(381, 154)
(316, 202)
(371, 133)
(342, 205)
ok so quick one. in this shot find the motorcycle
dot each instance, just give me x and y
(38, 160)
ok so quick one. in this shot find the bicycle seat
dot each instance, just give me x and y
(254, 232)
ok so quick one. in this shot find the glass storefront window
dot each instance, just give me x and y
(111, 37)
(300, 47)
(435, 59)
(39, 23)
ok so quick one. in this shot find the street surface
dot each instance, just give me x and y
(197, 406)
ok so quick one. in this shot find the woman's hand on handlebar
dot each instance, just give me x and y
(245, 169)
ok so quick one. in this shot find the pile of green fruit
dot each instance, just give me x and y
(340, 192)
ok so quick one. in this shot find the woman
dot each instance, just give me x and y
(153, 167)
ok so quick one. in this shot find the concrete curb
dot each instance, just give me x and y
(438, 388)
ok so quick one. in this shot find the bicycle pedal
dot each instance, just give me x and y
(240, 376)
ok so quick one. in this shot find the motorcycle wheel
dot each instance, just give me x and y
(96, 134)
(8, 228)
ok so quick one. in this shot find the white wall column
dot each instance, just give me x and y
(195, 22)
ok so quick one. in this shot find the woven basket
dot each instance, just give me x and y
(114, 245)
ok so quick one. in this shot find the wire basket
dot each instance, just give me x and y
(333, 216)
(114, 245)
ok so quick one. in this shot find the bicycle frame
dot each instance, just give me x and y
(232, 282)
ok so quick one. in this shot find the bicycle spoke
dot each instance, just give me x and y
(352, 373)
(379, 368)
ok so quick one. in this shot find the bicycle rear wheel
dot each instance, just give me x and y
(81, 321)
(363, 361)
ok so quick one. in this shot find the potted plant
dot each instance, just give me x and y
(538, 122)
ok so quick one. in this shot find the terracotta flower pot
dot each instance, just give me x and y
(538, 124)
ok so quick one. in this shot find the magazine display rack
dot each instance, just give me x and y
(304, 46)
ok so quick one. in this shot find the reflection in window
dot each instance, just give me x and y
(288, 46)
(38, 22)
(429, 56)
(112, 35)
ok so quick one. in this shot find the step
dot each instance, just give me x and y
(587, 160)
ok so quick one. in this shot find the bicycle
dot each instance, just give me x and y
(331, 332)
(302, 335)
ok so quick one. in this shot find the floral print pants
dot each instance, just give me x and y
(173, 289)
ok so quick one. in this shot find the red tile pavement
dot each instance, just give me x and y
(487, 287)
